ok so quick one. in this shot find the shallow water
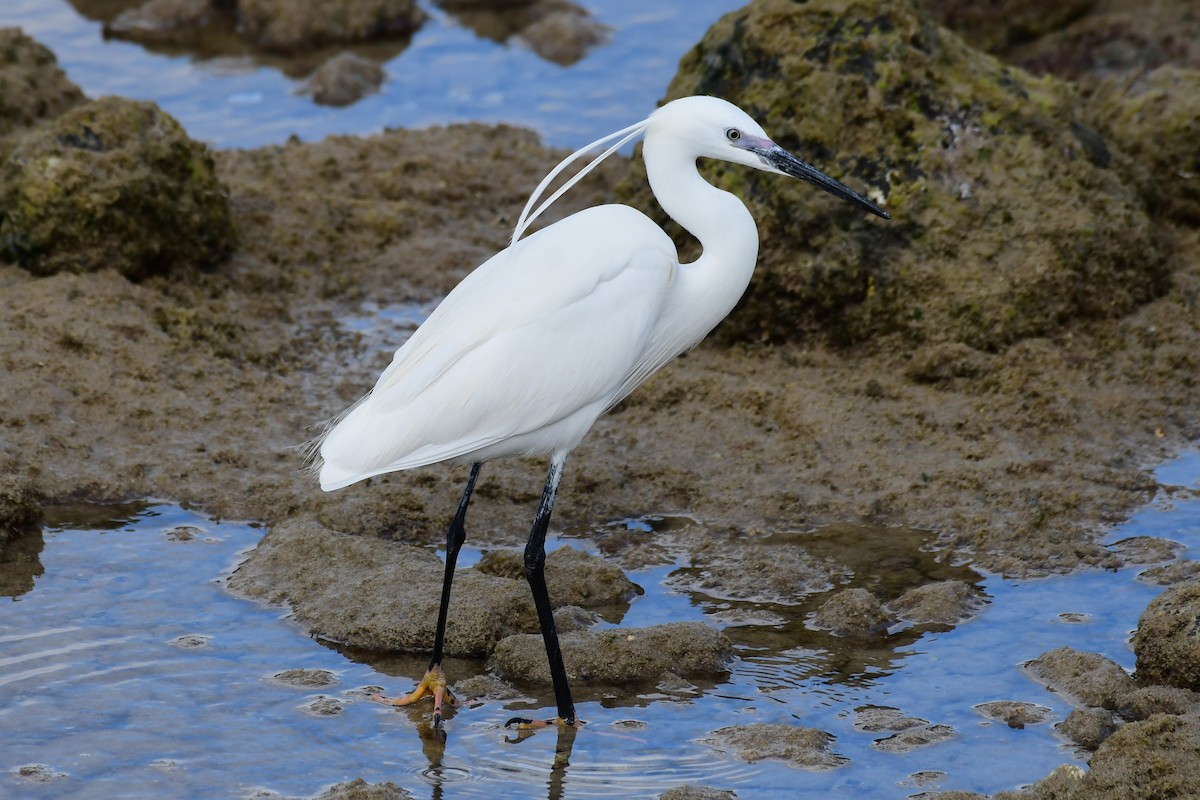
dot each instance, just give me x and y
(127, 670)
(446, 74)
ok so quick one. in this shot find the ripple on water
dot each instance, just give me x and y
(108, 693)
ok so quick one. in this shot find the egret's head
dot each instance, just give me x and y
(715, 128)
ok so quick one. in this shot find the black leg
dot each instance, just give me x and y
(455, 536)
(535, 573)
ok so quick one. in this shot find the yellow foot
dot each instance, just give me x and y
(433, 683)
(522, 724)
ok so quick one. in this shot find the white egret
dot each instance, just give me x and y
(527, 352)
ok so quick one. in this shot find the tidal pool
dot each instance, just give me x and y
(126, 669)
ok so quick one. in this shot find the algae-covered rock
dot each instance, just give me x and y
(1155, 117)
(1167, 642)
(1008, 219)
(112, 184)
(288, 25)
(32, 85)
(359, 789)
(20, 506)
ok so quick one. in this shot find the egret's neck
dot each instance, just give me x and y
(722, 223)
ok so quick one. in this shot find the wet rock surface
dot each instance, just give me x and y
(1088, 678)
(697, 793)
(911, 739)
(804, 748)
(288, 25)
(573, 577)
(359, 789)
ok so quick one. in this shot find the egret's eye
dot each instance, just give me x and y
(733, 134)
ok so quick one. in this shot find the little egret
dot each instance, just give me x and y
(527, 352)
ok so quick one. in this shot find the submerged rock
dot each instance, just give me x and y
(620, 655)
(1008, 220)
(1146, 549)
(697, 793)
(806, 748)
(359, 789)
(305, 678)
(32, 85)
(112, 184)
(756, 571)
(913, 738)
(851, 612)
(1014, 714)
(1167, 642)
(343, 80)
(874, 719)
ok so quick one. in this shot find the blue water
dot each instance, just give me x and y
(447, 74)
(98, 687)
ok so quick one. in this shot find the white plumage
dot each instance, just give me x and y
(527, 352)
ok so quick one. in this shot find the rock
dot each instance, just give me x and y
(1155, 118)
(944, 602)
(32, 85)
(697, 793)
(380, 595)
(874, 719)
(290, 25)
(620, 655)
(1170, 574)
(487, 688)
(359, 789)
(343, 80)
(573, 577)
(1150, 700)
(851, 612)
(1088, 727)
(1146, 549)
(305, 678)
(564, 35)
(805, 748)
(912, 738)
(1158, 757)
(1085, 678)
(112, 184)
(1014, 714)
(1008, 223)
(322, 706)
(1167, 641)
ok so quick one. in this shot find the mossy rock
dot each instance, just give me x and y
(116, 184)
(32, 85)
(1009, 219)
